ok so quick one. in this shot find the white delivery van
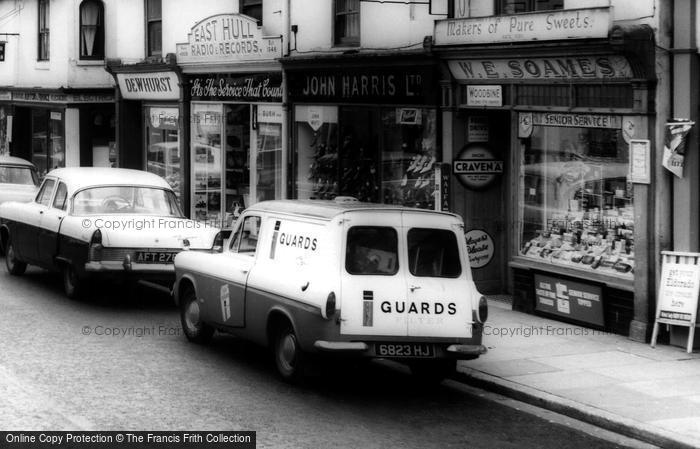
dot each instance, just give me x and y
(338, 277)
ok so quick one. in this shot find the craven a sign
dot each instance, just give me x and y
(149, 86)
(476, 167)
(228, 38)
(553, 25)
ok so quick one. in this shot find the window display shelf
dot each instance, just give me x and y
(574, 270)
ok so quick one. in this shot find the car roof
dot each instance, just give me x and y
(78, 178)
(12, 160)
(328, 209)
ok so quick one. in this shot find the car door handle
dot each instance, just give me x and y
(41, 212)
(244, 271)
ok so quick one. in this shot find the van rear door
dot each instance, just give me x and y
(436, 277)
(372, 279)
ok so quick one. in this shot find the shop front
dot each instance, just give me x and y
(547, 151)
(56, 128)
(365, 127)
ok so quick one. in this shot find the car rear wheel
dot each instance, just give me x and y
(289, 358)
(72, 284)
(433, 371)
(195, 329)
(14, 266)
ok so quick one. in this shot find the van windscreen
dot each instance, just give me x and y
(372, 250)
(433, 253)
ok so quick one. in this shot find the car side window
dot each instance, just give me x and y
(44, 195)
(60, 200)
(245, 240)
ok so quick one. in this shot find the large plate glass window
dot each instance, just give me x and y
(163, 146)
(237, 176)
(47, 140)
(207, 162)
(576, 203)
(268, 162)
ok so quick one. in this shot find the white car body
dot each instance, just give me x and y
(14, 190)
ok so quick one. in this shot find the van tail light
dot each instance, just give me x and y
(218, 245)
(329, 310)
(96, 245)
(482, 312)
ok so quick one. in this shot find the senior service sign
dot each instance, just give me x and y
(226, 38)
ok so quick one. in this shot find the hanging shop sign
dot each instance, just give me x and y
(483, 95)
(409, 85)
(674, 145)
(480, 247)
(228, 38)
(236, 87)
(538, 26)
(149, 86)
(574, 300)
(554, 68)
(476, 166)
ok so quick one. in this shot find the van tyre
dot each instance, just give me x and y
(196, 330)
(433, 371)
(14, 266)
(289, 358)
(72, 284)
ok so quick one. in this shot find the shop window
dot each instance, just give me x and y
(163, 146)
(519, 6)
(576, 203)
(385, 155)
(43, 47)
(237, 163)
(207, 164)
(154, 28)
(347, 22)
(268, 160)
(252, 8)
(47, 140)
(92, 30)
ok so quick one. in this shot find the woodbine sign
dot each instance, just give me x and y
(552, 25)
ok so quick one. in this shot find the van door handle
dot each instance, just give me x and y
(305, 286)
(413, 288)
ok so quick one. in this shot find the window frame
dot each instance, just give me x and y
(530, 7)
(348, 258)
(245, 5)
(43, 33)
(235, 245)
(346, 41)
(63, 205)
(98, 52)
(148, 21)
(40, 195)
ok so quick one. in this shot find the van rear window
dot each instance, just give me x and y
(372, 250)
(433, 253)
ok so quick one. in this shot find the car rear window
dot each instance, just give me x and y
(433, 253)
(18, 175)
(372, 250)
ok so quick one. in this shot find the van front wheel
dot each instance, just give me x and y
(196, 330)
(289, 357)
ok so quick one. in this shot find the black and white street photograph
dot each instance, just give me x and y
(349, 224)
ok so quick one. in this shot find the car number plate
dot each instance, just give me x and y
(404, 350)
(155, 257)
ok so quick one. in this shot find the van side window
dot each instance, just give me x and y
(245, 240)
(372, 250)
(433, 253)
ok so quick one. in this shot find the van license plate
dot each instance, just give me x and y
(404, 350)
(155, 257)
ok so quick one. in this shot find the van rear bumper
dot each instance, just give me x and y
(341, 346)
(457, 351)
(468, 350)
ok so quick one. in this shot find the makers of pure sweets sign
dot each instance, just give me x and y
(228, 37)
(553, 25)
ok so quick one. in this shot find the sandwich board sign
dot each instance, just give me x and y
(677, 302)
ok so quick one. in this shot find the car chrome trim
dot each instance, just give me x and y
(340, 346)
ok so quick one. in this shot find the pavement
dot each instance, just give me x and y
(651, 394)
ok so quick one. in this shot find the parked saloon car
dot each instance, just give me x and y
(338, 277)
(110, 222)
(18, 181)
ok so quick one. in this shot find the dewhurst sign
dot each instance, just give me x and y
(149, 86)
(226, 38)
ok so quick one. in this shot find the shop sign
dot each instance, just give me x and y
(478, 129)
(554, 68)
(232, 87)
(476, 167)
(678, 294)
(576, 120)
(5, 95)
(478, 95)
(149, 86)
(164, 118)
(537, 26)
(363, 85)
(640, 161)
(574, 300)
(228, 38)
(269, 114)
(480, 247)
(444, 176)
(408, 116)
(44, 97)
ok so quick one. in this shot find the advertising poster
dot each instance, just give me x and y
(574, 300)
(674, 145)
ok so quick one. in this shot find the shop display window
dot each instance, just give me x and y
(268, 164)
(237, 163)
(206, 162)
(380, 155)
(47, 140)
(576, 202)
(163, 146)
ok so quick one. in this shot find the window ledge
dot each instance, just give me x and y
(42, 65)
(90, 62)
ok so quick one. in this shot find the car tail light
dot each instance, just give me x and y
(218, 243)
(482, 313)
(329, 310)
(96, 245)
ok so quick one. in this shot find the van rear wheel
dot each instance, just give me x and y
(433, 371)
(289, 358)
(195, 329)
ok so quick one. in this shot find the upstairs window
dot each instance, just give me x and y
(252, 8)
(519, 6)
(92, 31)
(347, 22)
(154, 28)
(43, 49)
